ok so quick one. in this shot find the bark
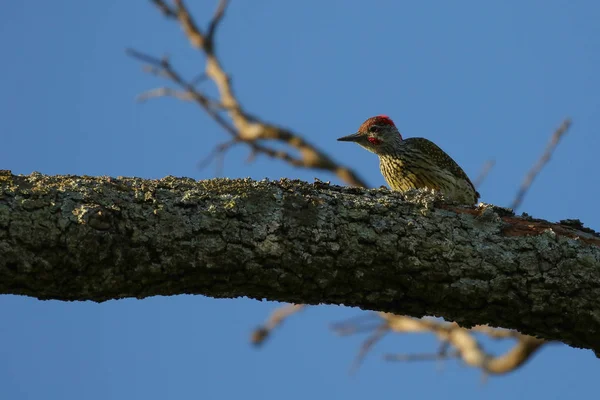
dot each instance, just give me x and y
(100, 238)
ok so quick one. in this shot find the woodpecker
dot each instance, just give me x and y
(413, 163)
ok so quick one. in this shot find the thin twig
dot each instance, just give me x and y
(361, 323)
(421, 357)
(163, 92)
(463, 342)
(368, 345)
(198, 79)
(496, 333)
(485, 170)
(277, 318)
(218, 151)
(535, 170)
(143, 57)
(239, 124)
(164, 8)
(166, 70)
(216, 19)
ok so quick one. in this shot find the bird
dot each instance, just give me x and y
(413, 163)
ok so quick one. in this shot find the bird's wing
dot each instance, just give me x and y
(441, 159)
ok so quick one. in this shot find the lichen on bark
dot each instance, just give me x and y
(100, 238)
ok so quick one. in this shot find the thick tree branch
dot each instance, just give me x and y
(85, 238)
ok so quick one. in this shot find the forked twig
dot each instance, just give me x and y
(463, 342)
(227, 111)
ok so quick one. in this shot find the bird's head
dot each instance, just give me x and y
(377, 134)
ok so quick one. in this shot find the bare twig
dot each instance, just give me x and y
(217, 18)
(368, 345)
(364, 322)
(422, 357)
(179, 94)
(535, 170)
(163, 67)
(261, 333)
(163, 92)
(463, 342)
(198, 79)
(143, 57)
(466, 347)
(164, 8)
(485, 170)
(218, 153)
(227, 111)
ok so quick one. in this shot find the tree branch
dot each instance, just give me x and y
(537, 168)
(229, 114)
(463, 341)
(260, 334)
(86, 238)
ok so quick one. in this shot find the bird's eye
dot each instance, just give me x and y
(374, 128)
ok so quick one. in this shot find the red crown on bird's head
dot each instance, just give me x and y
(383, 120)
(376, 120)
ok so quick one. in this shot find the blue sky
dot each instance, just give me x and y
(481, 79)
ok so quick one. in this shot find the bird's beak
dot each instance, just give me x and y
(355, 137)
